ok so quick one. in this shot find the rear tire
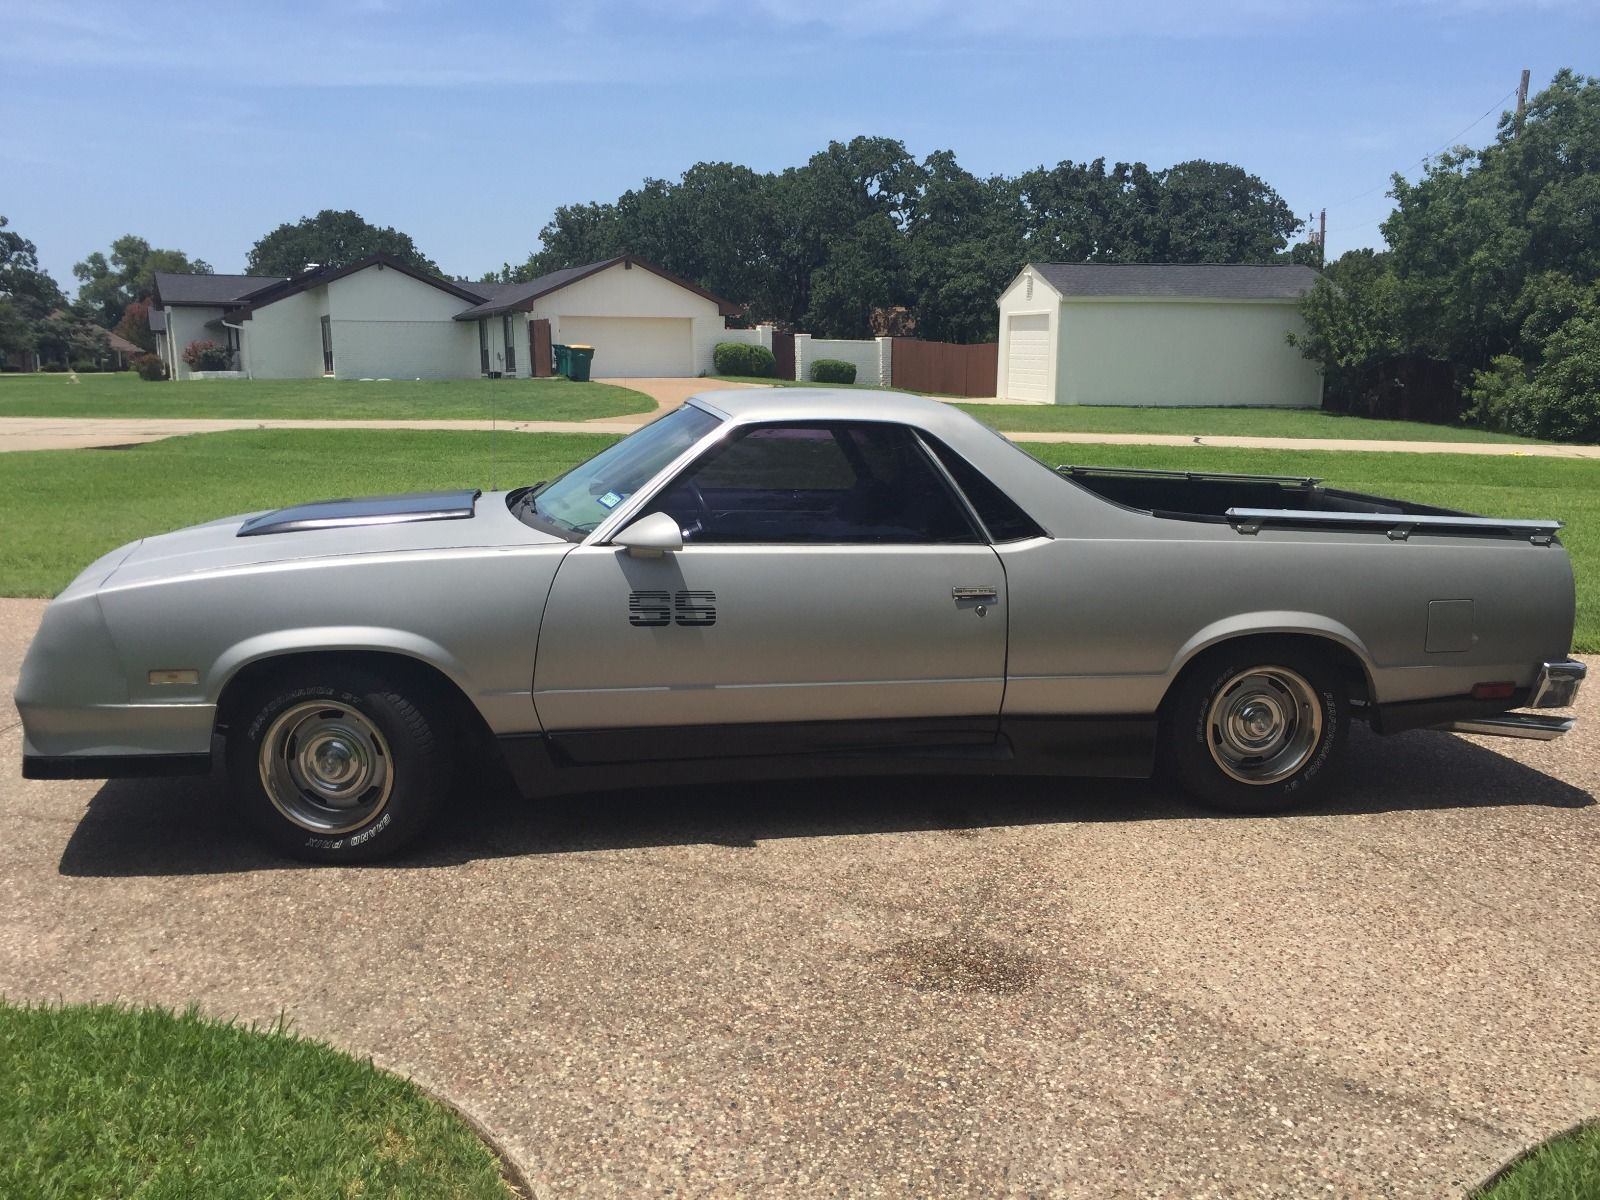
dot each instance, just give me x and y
(1257, 726)
(344, 769)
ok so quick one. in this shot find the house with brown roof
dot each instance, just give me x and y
(380, 318)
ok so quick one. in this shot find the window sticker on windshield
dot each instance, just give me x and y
(610, 500)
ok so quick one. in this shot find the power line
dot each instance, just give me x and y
(1453, 140)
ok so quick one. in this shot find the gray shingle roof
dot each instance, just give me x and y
(1209, 281)
(158, 320)
(503, 297)
(209, 289)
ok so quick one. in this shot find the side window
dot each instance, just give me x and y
(822, 484)
(999, 513)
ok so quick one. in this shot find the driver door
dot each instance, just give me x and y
(831, 592)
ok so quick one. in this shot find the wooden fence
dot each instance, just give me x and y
(945, 367)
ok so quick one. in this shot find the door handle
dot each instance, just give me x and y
(974, 593)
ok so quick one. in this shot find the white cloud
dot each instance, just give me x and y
(431, 43)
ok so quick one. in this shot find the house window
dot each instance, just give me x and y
(327, 345)
(483, 346)
(511, 345)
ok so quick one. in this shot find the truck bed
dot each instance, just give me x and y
(1251, 502)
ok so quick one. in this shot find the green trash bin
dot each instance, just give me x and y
(580, 357)
(563, 359)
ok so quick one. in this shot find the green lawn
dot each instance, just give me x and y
(62, 508)
(1567, 1168)
(124, 394)
(1246, 422)
(1188, 422)
(108, 1101)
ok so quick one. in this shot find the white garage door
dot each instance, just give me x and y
(1028, 357)
(634, 347)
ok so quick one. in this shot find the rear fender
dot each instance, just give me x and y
(1266, 624)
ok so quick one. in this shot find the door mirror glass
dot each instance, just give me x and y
(651, 536)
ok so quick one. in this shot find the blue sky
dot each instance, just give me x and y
(201, 127)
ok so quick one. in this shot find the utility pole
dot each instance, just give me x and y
(1322, 237)
(1522, 103)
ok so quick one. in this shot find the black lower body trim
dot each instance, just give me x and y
(670, 743)
(1421, 714)
(113, 766)
(1117, 747)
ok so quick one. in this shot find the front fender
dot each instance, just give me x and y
(334, 638)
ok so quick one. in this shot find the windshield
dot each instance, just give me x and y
(583, 497)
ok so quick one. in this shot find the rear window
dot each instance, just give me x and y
(999, 513)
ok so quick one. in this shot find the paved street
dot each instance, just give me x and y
(939, 987)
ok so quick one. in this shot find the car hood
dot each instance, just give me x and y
(326, 529)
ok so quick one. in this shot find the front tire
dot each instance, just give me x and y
(1258, 727)
(342, 770)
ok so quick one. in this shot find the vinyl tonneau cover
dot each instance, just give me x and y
(1252, 502)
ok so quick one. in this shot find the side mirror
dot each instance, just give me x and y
(650, 537)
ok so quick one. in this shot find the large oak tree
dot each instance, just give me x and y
(110, 281)
(331, 239)
(864, 227)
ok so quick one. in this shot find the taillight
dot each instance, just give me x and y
(1493, 691)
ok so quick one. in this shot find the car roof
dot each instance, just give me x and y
(826, 404)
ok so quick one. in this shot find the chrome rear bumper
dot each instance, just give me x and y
(1515, 725)
(1557, 684)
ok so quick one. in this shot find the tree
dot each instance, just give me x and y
(19, 335)
(1351, 328)
(111, 282)
(1494, 262)
(863, 228)
(331, 239)
(22, 281)
(135, 326)
(963, 246)
(65, 337)
(1216, 212)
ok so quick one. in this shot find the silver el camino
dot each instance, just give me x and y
(793, 582)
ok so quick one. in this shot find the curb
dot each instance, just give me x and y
(512, 1169)
(1524, 1155)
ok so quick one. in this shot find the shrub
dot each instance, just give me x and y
(744, 358)
(150, 367)
(54, 368)
(207, 356)
(833, 370)
(1556, 399)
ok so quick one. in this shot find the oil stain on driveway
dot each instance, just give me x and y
(933, 987)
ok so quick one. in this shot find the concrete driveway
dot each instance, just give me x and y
(670, 393)
(932, 988)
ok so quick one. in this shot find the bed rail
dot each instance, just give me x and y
(1398, 526)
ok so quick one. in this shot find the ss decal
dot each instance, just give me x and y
(661, 608)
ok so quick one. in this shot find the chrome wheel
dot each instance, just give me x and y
(326, 767)
(1264, 725)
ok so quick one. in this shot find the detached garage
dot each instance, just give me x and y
(641, 320)
(1156, 334)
